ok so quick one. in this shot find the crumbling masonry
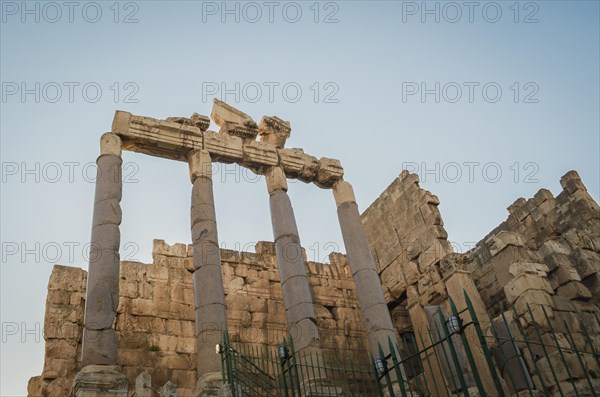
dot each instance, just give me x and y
(105, 327)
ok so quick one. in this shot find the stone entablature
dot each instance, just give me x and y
(175, 137)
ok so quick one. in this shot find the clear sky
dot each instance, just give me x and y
(487, 101)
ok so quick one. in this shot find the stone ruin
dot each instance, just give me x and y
(128, 328)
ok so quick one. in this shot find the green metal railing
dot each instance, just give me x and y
(526, 355)
(254, 370)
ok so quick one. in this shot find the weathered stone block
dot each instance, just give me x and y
(560, 370)
(528, 268)
(224, 148)
(143, 307)
(34, 386)
(393, 277)
(258, 155)
(574, 290)
(61, 349)
(563, 275)
(503, 239)
(58, 367)
(329, 172)
(555, 247)
(586, 262)
(431, 255)
(523, 283)
(434, 294)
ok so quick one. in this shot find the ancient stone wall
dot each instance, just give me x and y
(563, 233)
(155, 321)
(408, 240)
(63, 327)
(539, 270)
(407, 236)
(418, 269)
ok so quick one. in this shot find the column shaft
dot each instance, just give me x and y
(297, 296)
(378, 321)
(102, 294)
(209, 293)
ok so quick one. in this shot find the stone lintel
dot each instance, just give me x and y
(174, 140)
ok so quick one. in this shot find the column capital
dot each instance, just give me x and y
(276, 179)
(110, 144)
(343, 193)
(200, 164)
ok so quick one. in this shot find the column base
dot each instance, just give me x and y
(209, 384)
(100, 381)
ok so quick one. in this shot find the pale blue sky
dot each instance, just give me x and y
(177, 52)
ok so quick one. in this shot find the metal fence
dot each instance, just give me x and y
(254, 370)
(452, 357)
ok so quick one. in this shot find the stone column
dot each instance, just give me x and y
(102, 294)
(378, 322)
(100, 374)
(211, 315)
(297, 297)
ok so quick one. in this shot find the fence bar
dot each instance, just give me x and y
(590, 342)
(230, 376)
(354, 374)
(378, 383)
(386, 374)
(453, 354)
(288, 362)
(295, 364)
(583, 366)
(515, 347)
(312, 365)
(414, 368)
(446, 359)
(437, 360)
(282, 371)
(538, 333)
(484, 346)
(468, 352)
(223, 373)
(371, 383)
(396, 365)
(534, 360)
(260, 359)
(560, 353)
(424, 351)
